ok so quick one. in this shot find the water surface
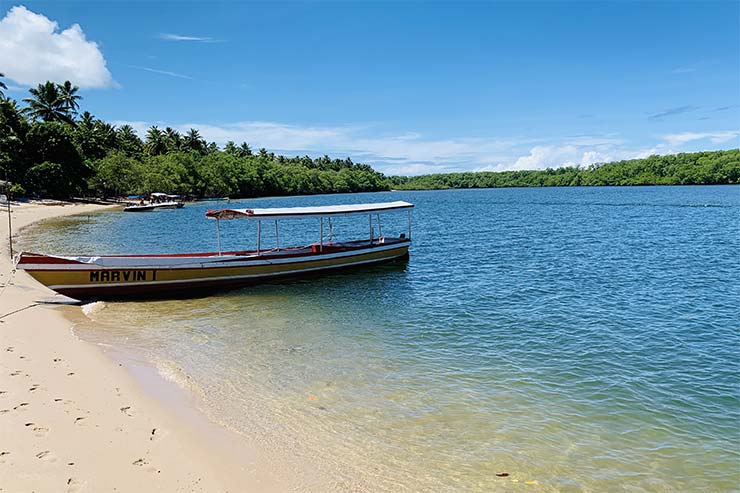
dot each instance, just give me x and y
(580, 339)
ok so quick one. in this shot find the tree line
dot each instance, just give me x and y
(695, 168)
(49, 148)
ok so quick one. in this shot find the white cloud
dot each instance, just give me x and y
(11, 87)
(714, 137)
(179, 37)
(415, 169)
(541, 157)
(33, 50)
(393, 153)
(412, 153)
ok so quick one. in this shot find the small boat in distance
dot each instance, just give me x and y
(212, 199)
(167, 275)
(156, 201)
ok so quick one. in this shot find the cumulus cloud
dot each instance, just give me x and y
(541, 157)
(34, 50)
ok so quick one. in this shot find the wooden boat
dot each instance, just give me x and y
(164, 275)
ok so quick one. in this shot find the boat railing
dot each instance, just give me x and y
(321, 213)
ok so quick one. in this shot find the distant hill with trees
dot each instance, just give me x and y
(695, 168)
(49, 148)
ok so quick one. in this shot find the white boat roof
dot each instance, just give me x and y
(319, 211)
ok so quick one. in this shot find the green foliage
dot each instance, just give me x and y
(49, 152)
(16, 190)
(53, 142)
(52, 102)
(2, 86)
(696, 168)
(48, 149)
(13, 130)
(128, 142)
(50, 179)
(114, 174)
(220, 173)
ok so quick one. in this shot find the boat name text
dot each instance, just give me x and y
(122, 275)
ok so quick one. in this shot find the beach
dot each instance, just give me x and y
(581, 342)
(75, 419)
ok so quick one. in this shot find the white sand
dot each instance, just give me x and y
(72, 419)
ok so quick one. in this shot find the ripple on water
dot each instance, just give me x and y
(574, 339)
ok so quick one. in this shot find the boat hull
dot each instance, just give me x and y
(154, 207)
(170, 275)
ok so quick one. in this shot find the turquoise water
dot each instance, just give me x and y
(581, 339)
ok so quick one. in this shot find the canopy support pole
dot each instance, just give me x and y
(277, 237)
(331, 231)
(370, 217)
(259, 236)
(409, 217)
(321, 234)
(218, 235)
(380, 226)
(10, 225)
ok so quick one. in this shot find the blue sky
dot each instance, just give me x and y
(409, 87)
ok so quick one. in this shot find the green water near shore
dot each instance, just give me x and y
(576, 339)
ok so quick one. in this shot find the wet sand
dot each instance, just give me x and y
(72, 418)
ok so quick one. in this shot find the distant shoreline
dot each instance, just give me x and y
(696, 168)
(548, 186)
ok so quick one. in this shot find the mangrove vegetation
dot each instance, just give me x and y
(695, 168)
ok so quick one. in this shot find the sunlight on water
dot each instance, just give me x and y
(576, 339)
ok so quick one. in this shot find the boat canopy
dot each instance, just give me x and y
(320, 211)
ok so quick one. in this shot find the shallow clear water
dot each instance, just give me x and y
(586, 339)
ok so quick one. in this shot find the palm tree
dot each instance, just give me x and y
(87, 121)
(194, 141)
(47, 104)
(68, 94)
(173, 139)
(2, 86)
(105, 132)
(127, 132)
(128, 141)
(230, 148)
(155, 141)
(245, 149)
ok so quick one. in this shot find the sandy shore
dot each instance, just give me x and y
(72, 419)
